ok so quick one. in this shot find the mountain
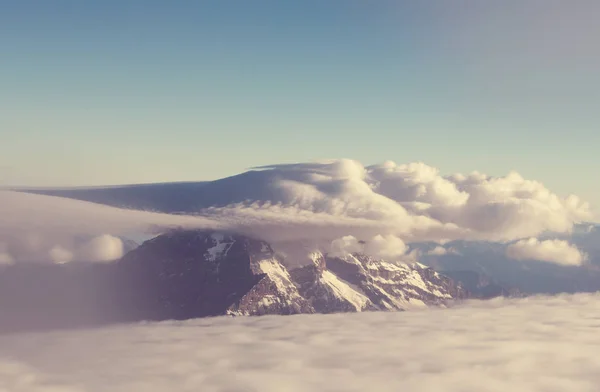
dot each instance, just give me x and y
(488, 260)
(359, 282)
(244, 276)
(189, 274)
(481, 286)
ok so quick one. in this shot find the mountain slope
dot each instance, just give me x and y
(244, 276)
(198, 273)
(326, 291)
(395, 286)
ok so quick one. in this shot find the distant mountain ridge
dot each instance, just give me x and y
(482, 286)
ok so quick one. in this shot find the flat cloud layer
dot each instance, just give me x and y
(547, 344)
(387, 204)
(554, 251)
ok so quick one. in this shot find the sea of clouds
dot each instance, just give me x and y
(327, 205)
(545, 344)
(533, 344)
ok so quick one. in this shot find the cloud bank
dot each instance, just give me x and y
(527, 345)
(554, 251)
(413, 201)
(386, 205)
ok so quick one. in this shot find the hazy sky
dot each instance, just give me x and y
(119, 91)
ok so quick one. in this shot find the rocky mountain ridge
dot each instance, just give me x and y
(256, 280)
(189, 274)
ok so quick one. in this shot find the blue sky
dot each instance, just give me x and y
(121, 91)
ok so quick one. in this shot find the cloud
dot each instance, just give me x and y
(344, 246)
(98, 249)
(386, 247)
(553, 251)
(415, 201)
(101, 248)
(46, 228)
(60, 255)
(437, 251)
(506, 345)
(319, 201)
(6, 259)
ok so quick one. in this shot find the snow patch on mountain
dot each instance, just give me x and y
(277, 273)
(344, 291)
(221, 247)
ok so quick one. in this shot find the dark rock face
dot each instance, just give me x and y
(189, 274)
(179, 275)
(195, 274)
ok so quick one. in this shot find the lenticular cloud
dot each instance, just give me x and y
(387, 205)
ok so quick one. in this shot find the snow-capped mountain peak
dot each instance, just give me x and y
(196, 273)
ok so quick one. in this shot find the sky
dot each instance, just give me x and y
(129, 91)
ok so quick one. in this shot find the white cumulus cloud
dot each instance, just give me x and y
(414, 201)
(60, 255)
(553, 251)
(437, 251)
(101, 248)
(386, 247)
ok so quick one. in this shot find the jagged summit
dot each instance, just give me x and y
(368, 283)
